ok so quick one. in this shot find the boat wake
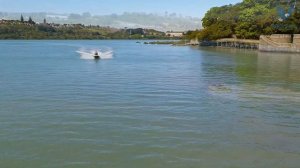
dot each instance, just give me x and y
(90, 53)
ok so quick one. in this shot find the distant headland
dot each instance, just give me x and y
(29, 29)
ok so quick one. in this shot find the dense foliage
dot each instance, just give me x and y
(250, 19)
(30, 30)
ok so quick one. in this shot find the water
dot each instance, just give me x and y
(148, 106)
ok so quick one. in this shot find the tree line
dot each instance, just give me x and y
(21, 29)
(250, 19)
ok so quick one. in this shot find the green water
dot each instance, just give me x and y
(148, 106)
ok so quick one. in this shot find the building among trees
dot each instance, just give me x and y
(174, 34)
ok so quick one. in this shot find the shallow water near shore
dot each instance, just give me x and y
(148, 106)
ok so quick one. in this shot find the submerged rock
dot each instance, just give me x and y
(219, 88)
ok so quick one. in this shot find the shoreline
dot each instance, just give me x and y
(84, 39)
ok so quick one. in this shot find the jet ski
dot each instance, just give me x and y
(96, 55)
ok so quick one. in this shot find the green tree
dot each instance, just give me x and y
(249, 19)
(22, 19)
(30, 21)
(247, 26)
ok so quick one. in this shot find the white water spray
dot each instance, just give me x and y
(89, 53)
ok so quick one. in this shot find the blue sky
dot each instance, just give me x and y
(196, 8)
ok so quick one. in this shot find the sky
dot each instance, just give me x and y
(194, 8)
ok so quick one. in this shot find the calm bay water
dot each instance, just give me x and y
(149, 106)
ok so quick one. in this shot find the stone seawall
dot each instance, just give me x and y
(281, 38)
(296, 40)
(238, 43)
(280, 43)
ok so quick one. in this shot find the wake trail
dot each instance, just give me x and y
(89, 53)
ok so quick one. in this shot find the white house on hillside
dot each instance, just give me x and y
(174, 34)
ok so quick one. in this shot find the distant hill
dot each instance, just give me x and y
(164, 23)
(16, 29)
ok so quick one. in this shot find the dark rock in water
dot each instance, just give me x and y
(208, 43)
(219, 88)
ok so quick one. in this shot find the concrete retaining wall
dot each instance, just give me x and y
(296, 40)
(280, 43)
(281, 38)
